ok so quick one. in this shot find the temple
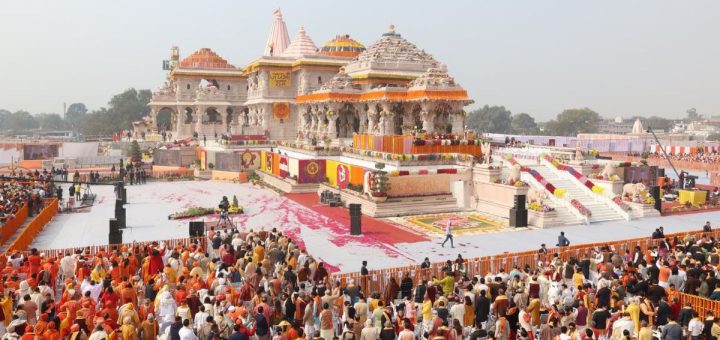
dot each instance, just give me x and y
(296, 90)
(381, 126)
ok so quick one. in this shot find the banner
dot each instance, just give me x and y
(269, 162)
(281, 110)
(279, 79)
(343, 176)
(284, 167)
(250, 159)
(311, 171)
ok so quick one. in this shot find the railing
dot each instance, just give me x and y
(556, 200)
(377, 280)
(170, 243)
(11, 226)
(25, 239)
(595, 196)
(527, 176)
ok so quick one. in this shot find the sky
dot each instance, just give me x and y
(617, 57)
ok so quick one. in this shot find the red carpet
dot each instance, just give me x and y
(382, 231)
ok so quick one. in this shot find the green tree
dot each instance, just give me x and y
(20, 121)
(98, 122)
(135, 152)
(50, 121)
(76, 115)
(492, 119)
(123, 109)
(692, 114)
(4, 115)
(524, 124)
(570, 122)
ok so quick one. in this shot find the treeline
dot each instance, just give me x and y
(570, 122)
(122, 110)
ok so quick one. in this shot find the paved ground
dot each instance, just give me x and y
(323, 231)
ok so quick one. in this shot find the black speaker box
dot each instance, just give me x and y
(113, 223)
(355, 209)
(518, 217)
(660, 172)
(355, 224)
(115, 238)
(655, 193)
(519, 202)
(197, 228)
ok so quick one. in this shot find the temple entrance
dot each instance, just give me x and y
(348, 122)
(211, 116)
(416, 118)
(164, 119)
(188, 115)
(399, 123)
(229, 118)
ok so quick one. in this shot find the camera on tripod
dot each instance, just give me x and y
(224, 206)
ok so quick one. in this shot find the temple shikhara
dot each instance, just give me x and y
(298, 91)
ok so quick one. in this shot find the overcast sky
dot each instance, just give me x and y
(620, 58)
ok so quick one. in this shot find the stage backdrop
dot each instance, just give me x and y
(228, 162)
(39, 151)
(166, 157)
(641, 174)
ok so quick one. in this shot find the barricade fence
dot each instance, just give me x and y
(35, 226)
(170, 243)
(8, 230)
(377, 280)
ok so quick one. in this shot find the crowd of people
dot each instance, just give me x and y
(262, 285)
(700, 157)
(14, 193)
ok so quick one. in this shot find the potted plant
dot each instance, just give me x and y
(380, 183)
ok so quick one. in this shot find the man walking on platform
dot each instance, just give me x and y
(448, 235)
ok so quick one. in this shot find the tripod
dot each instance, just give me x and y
(224, 221)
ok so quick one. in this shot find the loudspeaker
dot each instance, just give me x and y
(655, 193)
(660, 172)
(197, 228)
(519, 202)
(124, 195)
(355, 209)
(115, 238)
(355, 224)
(120, 214)
(113, 225)
(518, 217)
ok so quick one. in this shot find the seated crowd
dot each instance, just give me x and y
(14, 194)
(264, 285)
(708, 158)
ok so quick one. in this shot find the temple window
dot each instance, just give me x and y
(228, 87)
(188, 86)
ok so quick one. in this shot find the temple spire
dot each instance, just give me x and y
(279, 38)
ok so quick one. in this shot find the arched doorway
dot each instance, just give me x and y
(211, 116)
(229, 118)
(188, 115)
(164, 120)
(399, 119)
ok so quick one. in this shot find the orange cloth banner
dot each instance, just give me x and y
(11, 226)
(35, 226)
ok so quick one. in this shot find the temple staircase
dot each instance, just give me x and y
(601, 211)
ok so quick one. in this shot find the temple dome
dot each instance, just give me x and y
(435, 78)
(394, 48)
(300, 46)
(205, 58)
(342, 46)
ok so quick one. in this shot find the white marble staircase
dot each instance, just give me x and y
(563, 214)
(600, 211)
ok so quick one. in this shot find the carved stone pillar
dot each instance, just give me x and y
(387, 126)
(372, 115)
(458, 122)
